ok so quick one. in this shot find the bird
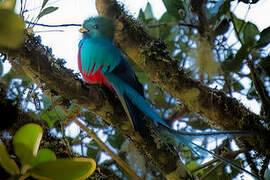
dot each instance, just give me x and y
(100, 61)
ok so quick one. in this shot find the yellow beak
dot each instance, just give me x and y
(82, 30)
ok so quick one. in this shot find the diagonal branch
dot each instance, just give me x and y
(41, 66)
(152, 56)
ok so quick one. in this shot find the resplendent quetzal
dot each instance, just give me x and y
(100, 61)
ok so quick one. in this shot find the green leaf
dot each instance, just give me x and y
(264, 37)
(26, 142)
(246, 31)
(52, 116)
(252, 93)
(11, 29)
(237, 86)
(235, 64)
(44, 155)
(67, 169)
(222, 27)
(7, 4)
(93, 149)
(193, 164)
(250, 33)
(46, 101)
(173, 7)
(265, 64)
(46, 11)
(148, 13)
(141, 16)
(44, 3)
(224, 10)
(239, 25)
(165, 31)
(8, 164)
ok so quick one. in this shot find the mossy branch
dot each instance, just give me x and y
(152, 56)
(41, 66)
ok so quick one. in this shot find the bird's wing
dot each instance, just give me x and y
(100, 52)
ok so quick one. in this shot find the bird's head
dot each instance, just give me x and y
(98, 27)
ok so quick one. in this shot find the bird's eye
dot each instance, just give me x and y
(95, 26)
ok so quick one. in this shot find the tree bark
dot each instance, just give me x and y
(152, 56)
(41, 66)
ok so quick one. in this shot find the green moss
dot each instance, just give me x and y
(191, 97)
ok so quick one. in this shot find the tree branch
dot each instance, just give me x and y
(152, 56)
(41, 66)
(260, 88)
(102, 145)
(52, 25)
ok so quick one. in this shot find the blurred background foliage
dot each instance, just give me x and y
(203, 50)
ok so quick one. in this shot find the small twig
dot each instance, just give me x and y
(230, 155)
(251, 163)
(260, 88)
(49, 31)
(160, 24)
(188, 25)
(171, 24)
(211, 170)
(119, 161)
(204, 165)
(108, 163)
(91, 133)
(236, 32)
(48, 25)
(24, 176)
(66, 142)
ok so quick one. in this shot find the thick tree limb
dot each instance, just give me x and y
(40, 65)
(152, 56)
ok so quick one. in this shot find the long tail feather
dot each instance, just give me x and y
(143, 105)
(129, 97)
(177, 139)
(225, 160)
(216, 133)
(136, 116)
(135, 98)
